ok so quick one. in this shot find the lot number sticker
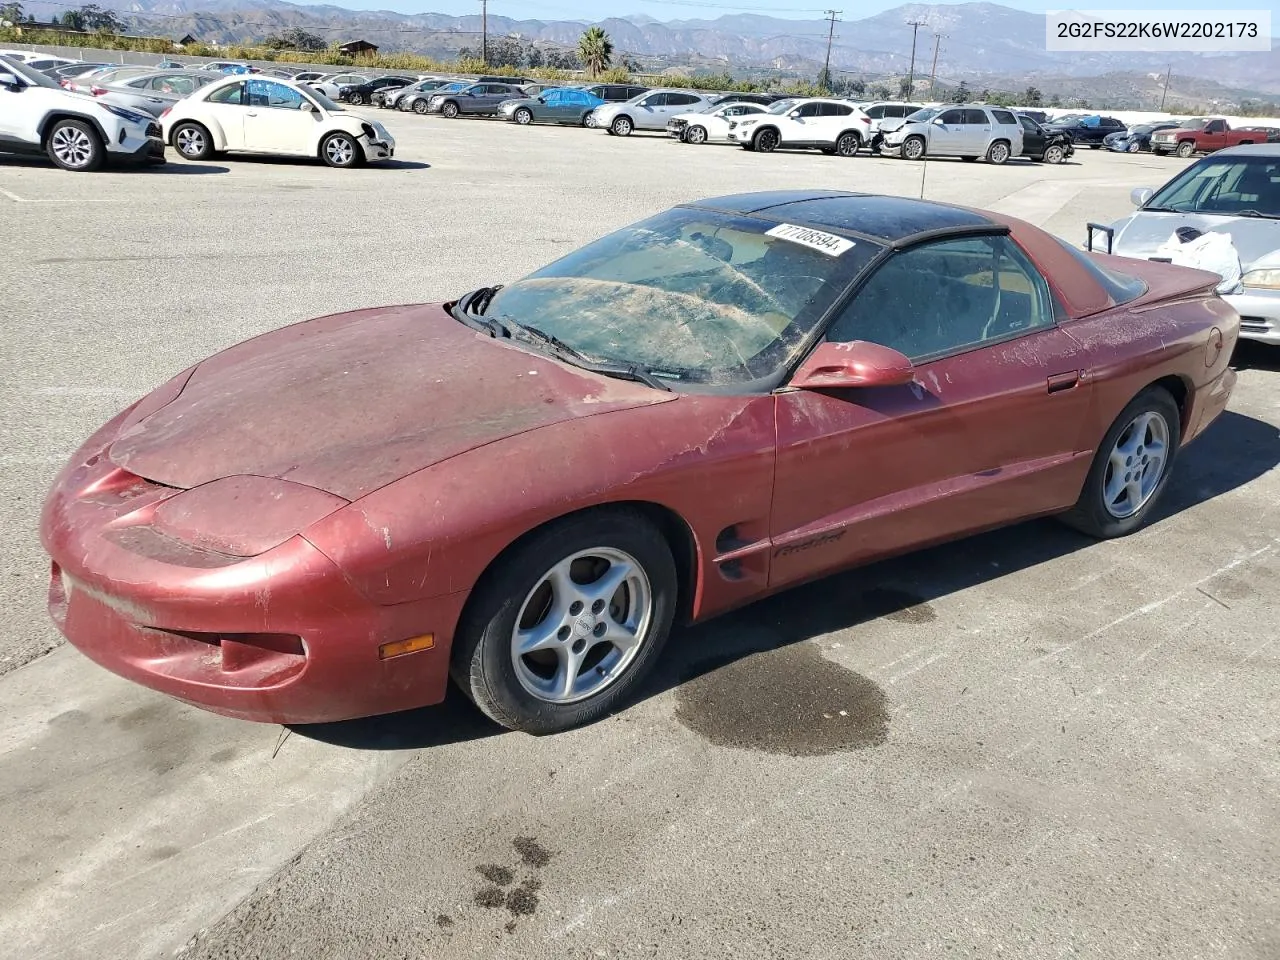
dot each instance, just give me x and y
(827, 243)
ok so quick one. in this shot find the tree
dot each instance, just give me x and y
(12, 12)
(856, 87)
(73, 19)
(534, 57)
(879, 91)
(295, 38)
(824, 80)
(1055, 101)
(595, 50)
(962, 93)
(95, 18)
(1031, 97)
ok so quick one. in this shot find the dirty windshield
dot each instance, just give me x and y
(1232, 186)
(690, 295)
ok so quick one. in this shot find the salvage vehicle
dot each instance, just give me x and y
(418, 97)
(474, 100)
(1042, 146)
(878, 111)
(1088, 131)
(1234, 191)
(525, 487)
(648, 111)
(711, 124)
(1137, 138)
(153, 93)
(1202, 135)
(361, 93)
(968, 132)
(254, 115)
(832, 126)
(557, 105)
(77, 132)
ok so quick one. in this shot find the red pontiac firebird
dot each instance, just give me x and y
(524, 488)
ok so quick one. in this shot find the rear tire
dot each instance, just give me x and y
(998, 152)
(1098, 513)
(521, 594)
(75, 145)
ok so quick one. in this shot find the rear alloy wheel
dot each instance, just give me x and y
(766, 141)
(419, 107)
(193, 141)
(998, 152)
(913, 148)
(848, 145)
(566, 626)
(696, 134)
(621, 127)
(450, 110)
(1131, 468)
(74, 145)
(1054, 154)
(589, 121)
(341, 150)
(523, 116)
(1186, 148)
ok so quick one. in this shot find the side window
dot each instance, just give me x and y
(952, 116)
(878, 113)
(840, 109)
(554, 98)
(948, 296)
(976, 118)
(1027, 124)
(1215, 126)
(685, 99)
(1005, 117)
(263, 93)
(229, 95)
(810, 110)
(654, 100)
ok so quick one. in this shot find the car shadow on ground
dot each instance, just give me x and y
(131, 168)
(268, 161)
(1234, 451)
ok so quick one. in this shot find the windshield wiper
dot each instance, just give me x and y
(557, 348)
(1162, 210)
(469, 309)
(1257, 213)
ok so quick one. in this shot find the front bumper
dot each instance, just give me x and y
(279, 638)
(138, 146)
(379, 149)
(676, 128)
(890, 149)
(1259, 314)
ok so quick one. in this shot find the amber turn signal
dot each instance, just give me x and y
(398, 648)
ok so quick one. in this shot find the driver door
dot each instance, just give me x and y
(274, 121)
(989, 431)
(225, 106)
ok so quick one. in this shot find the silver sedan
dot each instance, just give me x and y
(154, 92)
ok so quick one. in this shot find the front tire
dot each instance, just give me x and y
(696, 135)
(193, 141)
(450, 110)
(355, 98)
(75, 145)
(913, 148)
(523, 116)
(1185, 149)
(766, 141)
(563, 629)
(419, 107)
(1054, 154)
(1131, 468)
(341, 150)
(621, 127)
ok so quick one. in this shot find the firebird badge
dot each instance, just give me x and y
(827, 243)
(819, 541)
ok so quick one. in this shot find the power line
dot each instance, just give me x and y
(933, 70)
(915, 26)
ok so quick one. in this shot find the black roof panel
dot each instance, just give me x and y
(889, 219)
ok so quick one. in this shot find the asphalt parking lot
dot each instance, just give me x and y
(1027, 744)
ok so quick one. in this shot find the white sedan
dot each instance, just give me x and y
(709, 125)
(260, 115)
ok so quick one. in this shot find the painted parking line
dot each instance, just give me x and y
(11, 196)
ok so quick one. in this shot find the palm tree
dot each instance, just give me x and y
(595, 50)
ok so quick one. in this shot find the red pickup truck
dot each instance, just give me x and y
(1202, 135)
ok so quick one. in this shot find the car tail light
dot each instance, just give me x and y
(97, 91)
(165, 112)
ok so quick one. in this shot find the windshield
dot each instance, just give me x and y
(1235, 186)
(782, 106)
(1195, 123)
(33, 78)
(920, 116)
(688, 295)
(1142, 128)
(324, 101)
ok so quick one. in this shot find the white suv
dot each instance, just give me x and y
(76, 131)
(832, 126)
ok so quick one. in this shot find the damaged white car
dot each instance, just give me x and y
(1235, 192)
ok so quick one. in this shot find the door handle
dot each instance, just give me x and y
(252, 113)
(1063, 381)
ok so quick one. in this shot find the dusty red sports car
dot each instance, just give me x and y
(525, 488)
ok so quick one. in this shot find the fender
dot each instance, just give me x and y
(61, 114)
(214, 128)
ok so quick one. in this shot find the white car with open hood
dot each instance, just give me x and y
(269, 115)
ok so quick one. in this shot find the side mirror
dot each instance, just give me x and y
(938, 122)
(1140, 195)
(10, 82)
(859, 363)
(306, 106)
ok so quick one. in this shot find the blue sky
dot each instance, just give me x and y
(710, 9)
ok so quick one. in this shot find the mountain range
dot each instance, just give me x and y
(979, 40)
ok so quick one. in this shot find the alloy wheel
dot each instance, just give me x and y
(73, 147)
(696, 134)
(1053, 154)
(340, 151)
(1135, 465)
(190, 142)
(913, 149)
(582, 625)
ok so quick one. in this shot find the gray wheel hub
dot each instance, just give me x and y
(1135, 465)
(340, 150)
(72, 146)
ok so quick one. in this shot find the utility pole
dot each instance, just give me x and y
(831, 33)
(1164, 93)
(933, 71)
(484, 32)
(915, 26)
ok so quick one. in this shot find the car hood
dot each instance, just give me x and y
(1142, 233)
(349, 403)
